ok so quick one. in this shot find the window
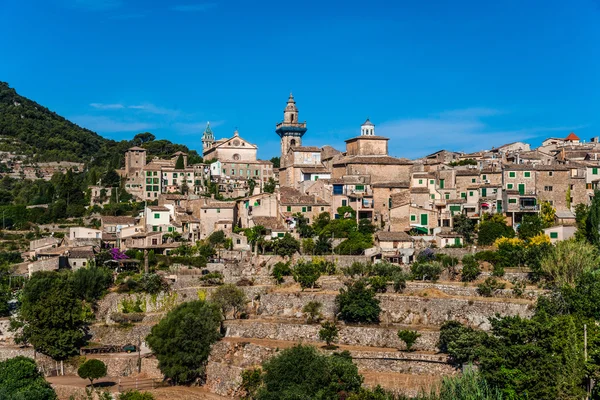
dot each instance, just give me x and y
(74, 263)
(170, 229)
(447, 196)
(289, 208)
(463, 195)
(431, 182)
(588, 185)
(484, 177)
(413, 217)
(359, 188)
(473, 180)
(154, 228)
(303, 209)
(344, 203)
(322, 208)
(512, 174)
(218, 210)
(550, 173)
(155, 173)
(441, 183)
(238, 241)
(338, 189)
(148, 180)
(420, 181)
(470, 194)
(309, 208)
(512, 200)
(280, 235)
(509, 186)
(433, 197)
(553, 235)
(155, 181)
(527, 174)
(547, 188)
(595, 171)
(174, 174)
(148, 173)
(156, 216)
(84, 263)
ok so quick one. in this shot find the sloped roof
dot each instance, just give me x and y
(291, 196)
(122, 220)
(271, 223)
(572, 137)
(383, 236)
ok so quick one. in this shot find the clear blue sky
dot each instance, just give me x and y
(463, 75)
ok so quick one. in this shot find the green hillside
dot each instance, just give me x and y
(31, 129)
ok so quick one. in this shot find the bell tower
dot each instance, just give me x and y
(290, 130)
(208, 138)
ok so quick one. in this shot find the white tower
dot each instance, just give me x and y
(367, 128)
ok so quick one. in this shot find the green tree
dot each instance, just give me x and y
(592, 222)
(21, 379)
(276, 162)
(229, 298)
(308, 246)
(286, 245)
(357, 303)
(464, 226)
(329, 333)
(323, 245)
(91, 283)
(52, 318)
(470, 269)
(179, 164)
(548, 213)
(216, 238)
(491, 230)
(182, 340)
(469, 385)
(581, 214)
(92, 369)
(306, 273)
(530, 226)
(426, 270)
(142, 138)
(280, 270)
(270, 186)
(312, 309)
(301, 372)
(408, 337)
(568, 260)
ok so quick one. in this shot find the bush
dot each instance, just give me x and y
(489, 287)
(20, 378)
(489, 231)
(426, 271)
(408, 337)
(470, 269)
(212, 279)
(135, 395)
(92, 369)
(280, 270)
(328, 333)
(122, 318)
(251, 382)
(357, 303)
(518, 287)
(378, 283)
(312, 309)
(91, 283)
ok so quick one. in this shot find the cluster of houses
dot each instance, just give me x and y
(409, 201)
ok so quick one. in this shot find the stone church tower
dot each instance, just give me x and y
(290, 130)
(208, 138)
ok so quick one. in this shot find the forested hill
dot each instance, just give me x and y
(42, 133)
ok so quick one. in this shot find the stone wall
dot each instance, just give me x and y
(401, 309)
(348, 335)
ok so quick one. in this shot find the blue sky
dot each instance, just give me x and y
(462, 75)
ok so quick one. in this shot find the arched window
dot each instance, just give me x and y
(293, 142)
(292, 117)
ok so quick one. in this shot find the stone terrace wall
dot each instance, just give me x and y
(228, 360)
(401, 309)
(348, 335)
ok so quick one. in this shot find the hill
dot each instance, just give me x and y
(33, 130)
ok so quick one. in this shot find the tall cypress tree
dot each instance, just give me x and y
(592, 224)
(179, 163)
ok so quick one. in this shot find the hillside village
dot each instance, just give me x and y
(433, 238)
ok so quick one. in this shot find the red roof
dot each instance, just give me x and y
(572, 137)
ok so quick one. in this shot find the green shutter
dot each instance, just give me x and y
(470, 194)
(156, 216)
(431, 182)
(521, 189)
(413, 217)
(303, 209)
(553, 235)
(463, 195)
(512, 174)
(447, 196)
(424, 219)
(457, 241)
(344, 203)
(441, 183)
(289, 208)
(595, 171)
(499, 206)
(483, 192)
(527, 174)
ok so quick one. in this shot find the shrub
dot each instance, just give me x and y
(357, 303)
(489, 287)
(251, 382)
(280, 270)
(328, 333)
(378, 283)
(123, 318)
(408, 337)
(470, 269)
(135, 395)
(518, 287)
(212, 279)
(92, 369)
(399, 282)
(426, 271)
(312, 309)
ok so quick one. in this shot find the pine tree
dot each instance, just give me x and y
(179, 163)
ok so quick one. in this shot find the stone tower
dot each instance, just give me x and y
(135, 159)
(290, 130)
(208, 138)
